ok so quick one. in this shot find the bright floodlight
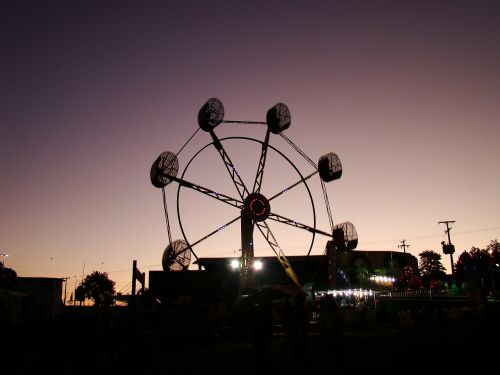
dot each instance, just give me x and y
(257, 265)
(235, 264)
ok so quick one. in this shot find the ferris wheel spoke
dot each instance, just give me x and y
(271, 240)
(215, 231)
(293, 223)
(262, 162)
(213, 194)
(292, 186)
(233, 173)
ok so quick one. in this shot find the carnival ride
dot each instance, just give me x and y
(255, 210)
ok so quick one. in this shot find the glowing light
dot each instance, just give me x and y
(385, 280)
(346, 293)
(257, 265)
(235, 264)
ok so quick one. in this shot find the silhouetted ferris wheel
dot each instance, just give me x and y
(253, 208)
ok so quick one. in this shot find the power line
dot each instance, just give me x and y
(125, 287)
(478, 230)
(116, 271)
(434, 235)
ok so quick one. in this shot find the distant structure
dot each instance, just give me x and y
(448, 248)
(253, 207)
(403, 245)
(137, 276)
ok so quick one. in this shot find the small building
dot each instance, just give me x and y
(11, 302)
(43, 296)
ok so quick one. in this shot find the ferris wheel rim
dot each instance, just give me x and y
(242, 138)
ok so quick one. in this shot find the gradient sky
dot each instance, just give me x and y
(91, 92)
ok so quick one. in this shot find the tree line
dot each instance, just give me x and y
(476, 270)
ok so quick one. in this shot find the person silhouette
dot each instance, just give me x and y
(297, 331)
(262, 334)
(332, 331)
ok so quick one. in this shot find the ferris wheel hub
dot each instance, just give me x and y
(257, 206)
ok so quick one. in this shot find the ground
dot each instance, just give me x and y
(394, 346)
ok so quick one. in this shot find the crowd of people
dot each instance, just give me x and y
(295, 316)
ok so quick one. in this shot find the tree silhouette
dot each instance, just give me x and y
(479, 269)
(431, 269)
(80, 294)
(409, 279)
(480, 260)
(493, 249)
(100, 288)
(8, 278)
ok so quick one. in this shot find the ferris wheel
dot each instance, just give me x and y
(253, 208)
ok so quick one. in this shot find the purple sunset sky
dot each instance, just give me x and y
(405, 92)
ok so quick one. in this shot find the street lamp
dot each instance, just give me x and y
(4, 256)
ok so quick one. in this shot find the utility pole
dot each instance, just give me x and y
(448, 249)
(65, 287)
(74, 293)
(403, 245)
(134, 268)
